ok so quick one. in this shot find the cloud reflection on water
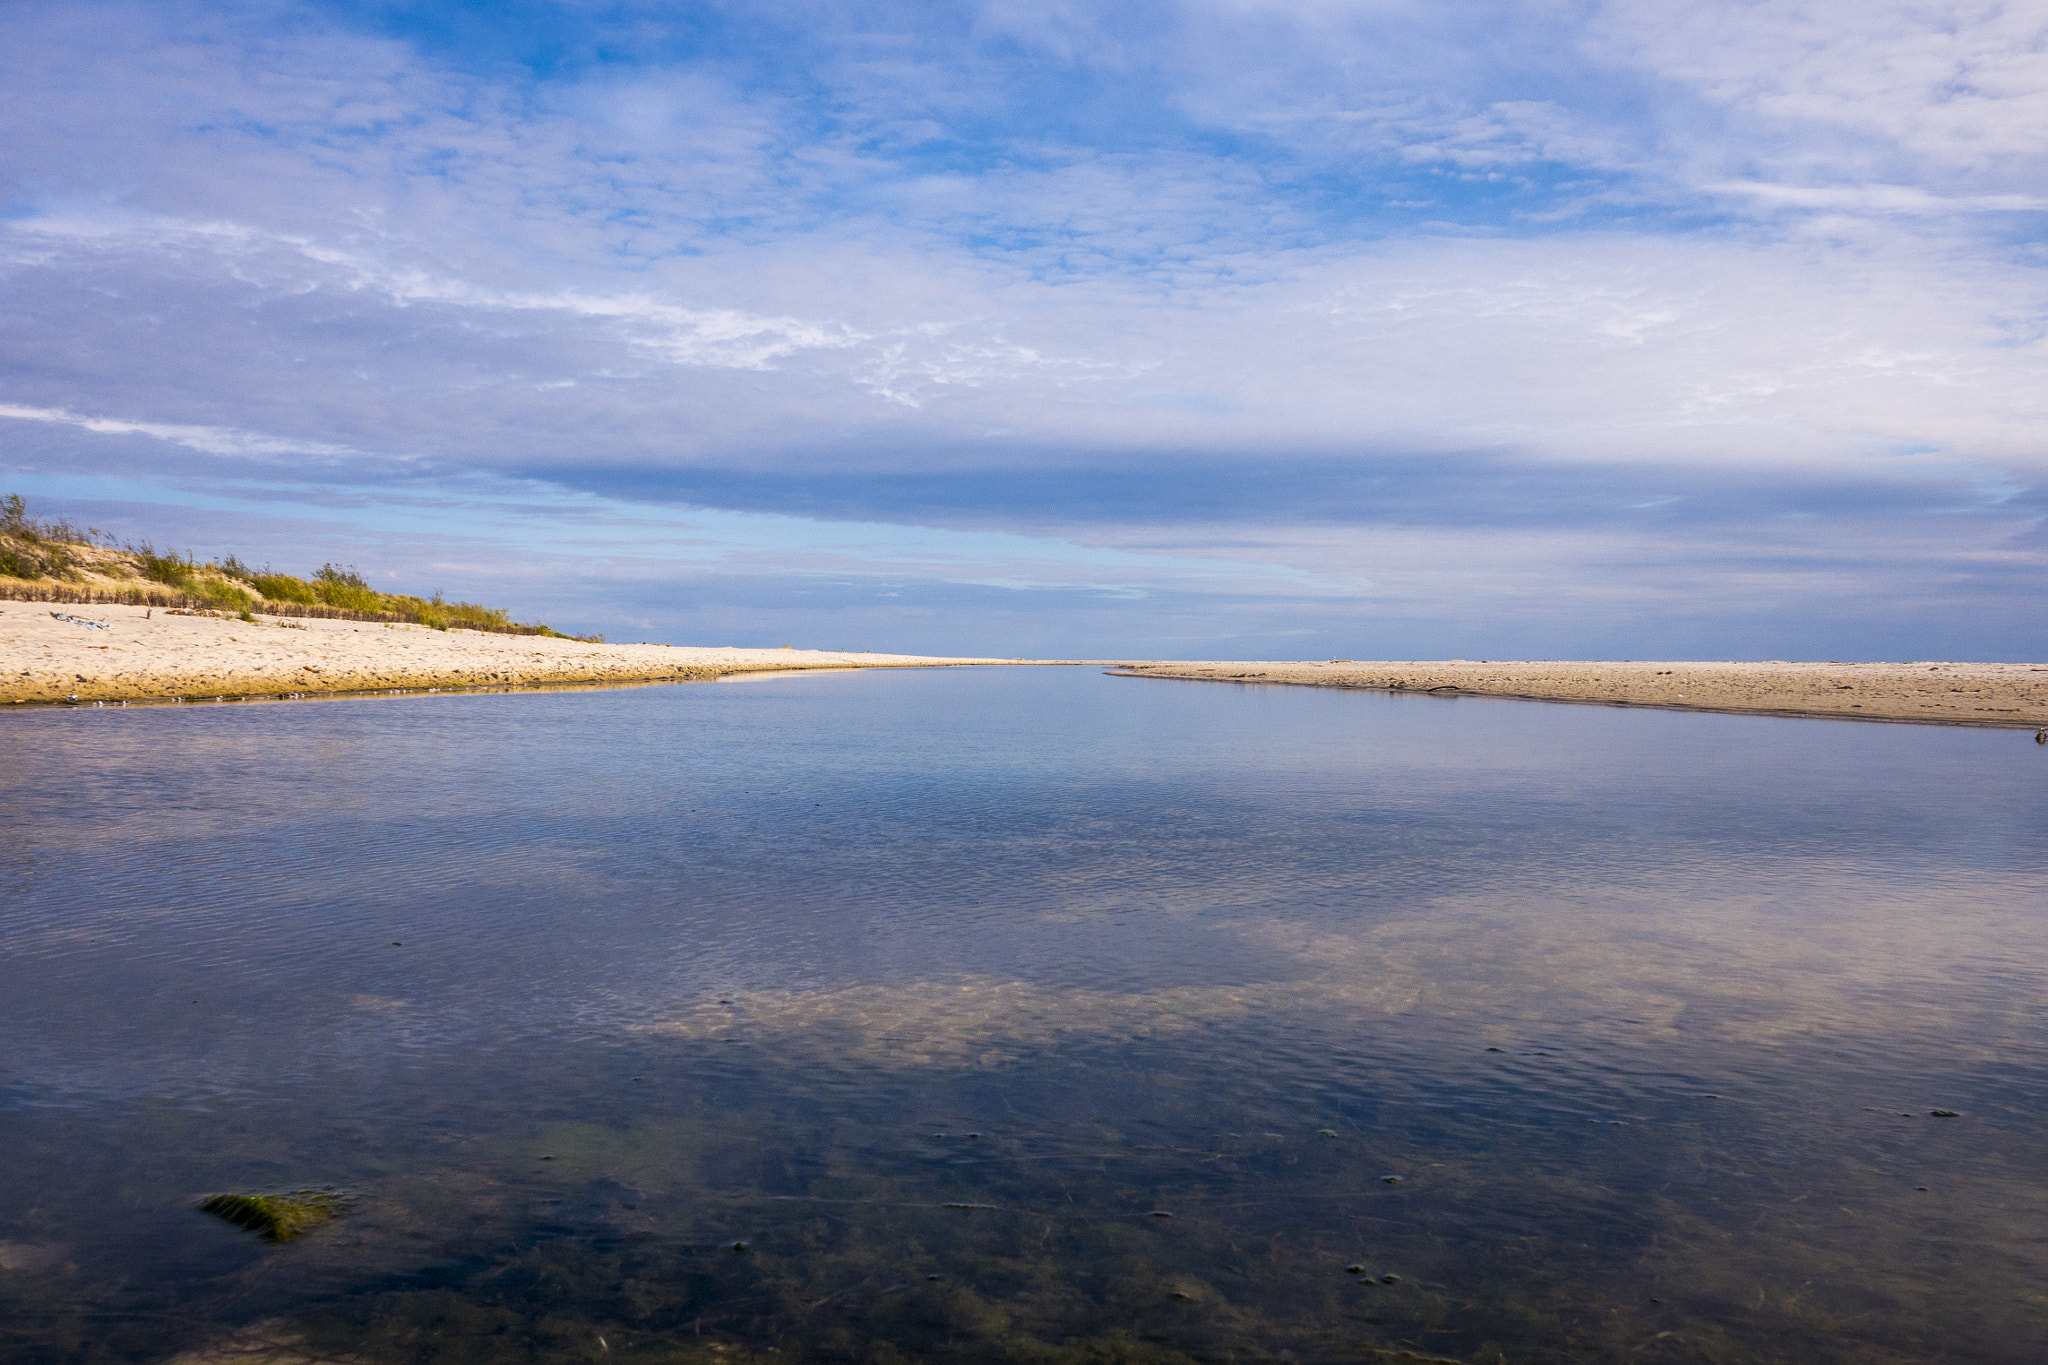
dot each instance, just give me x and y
(1633, 964)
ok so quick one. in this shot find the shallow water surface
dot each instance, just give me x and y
(1020, 1014)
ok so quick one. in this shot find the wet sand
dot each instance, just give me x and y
(145, 655)
(1928, 692)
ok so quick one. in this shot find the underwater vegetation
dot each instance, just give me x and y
(685, 1218)
(278, 1217)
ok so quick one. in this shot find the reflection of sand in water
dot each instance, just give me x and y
(1431, 968)
(1736, 967)
(30, 1257)
(1835, 957)
(267, 1343)
(986, 1020)
(960, 1019)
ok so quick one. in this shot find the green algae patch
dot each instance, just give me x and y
(278, 1217)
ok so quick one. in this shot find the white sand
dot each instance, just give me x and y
(147, 654)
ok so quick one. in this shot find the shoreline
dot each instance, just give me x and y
(1928, 692)
(142, 655)
(129, 655)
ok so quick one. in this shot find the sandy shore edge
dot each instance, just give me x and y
(72, 656)
(83, 656)
(1929, 692)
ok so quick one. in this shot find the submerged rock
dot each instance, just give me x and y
(278, 1217)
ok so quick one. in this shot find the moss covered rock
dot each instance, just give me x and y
(278, 1217)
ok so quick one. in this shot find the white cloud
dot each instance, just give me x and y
(1606, 346)
(1954, 86)
(209, 440)
(715, 337)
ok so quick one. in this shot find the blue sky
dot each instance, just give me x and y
(1697, 328)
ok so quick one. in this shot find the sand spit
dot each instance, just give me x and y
(1928, 693)
(159, 655)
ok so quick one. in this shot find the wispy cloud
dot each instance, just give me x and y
(209, 440)
(1882, 199)
(725, 338)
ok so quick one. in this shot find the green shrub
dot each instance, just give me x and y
(20, 559)
(345, 588)
(412, 608)
(15, 521)
(282, 587)
(225, 595)
(347, 598)
(442, 615)
(476, 617)
(167, 569)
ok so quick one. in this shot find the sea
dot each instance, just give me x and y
(1019, 1014)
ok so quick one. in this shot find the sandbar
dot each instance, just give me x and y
(140, 654)
(1930, 692)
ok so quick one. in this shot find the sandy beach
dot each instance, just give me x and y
(137, 654)
(157, 655)
(1928, 692)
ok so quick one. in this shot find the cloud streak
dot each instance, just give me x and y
(207, 440)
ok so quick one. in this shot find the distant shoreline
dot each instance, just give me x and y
(1930, 692)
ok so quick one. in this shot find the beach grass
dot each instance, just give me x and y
(59, 561)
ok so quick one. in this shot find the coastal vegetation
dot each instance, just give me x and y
(58, 561)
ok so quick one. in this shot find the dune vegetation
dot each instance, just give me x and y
(58, 561)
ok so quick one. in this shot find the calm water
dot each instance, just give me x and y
(1614, 1035)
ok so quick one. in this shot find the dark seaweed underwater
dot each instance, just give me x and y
(1019, 1015)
